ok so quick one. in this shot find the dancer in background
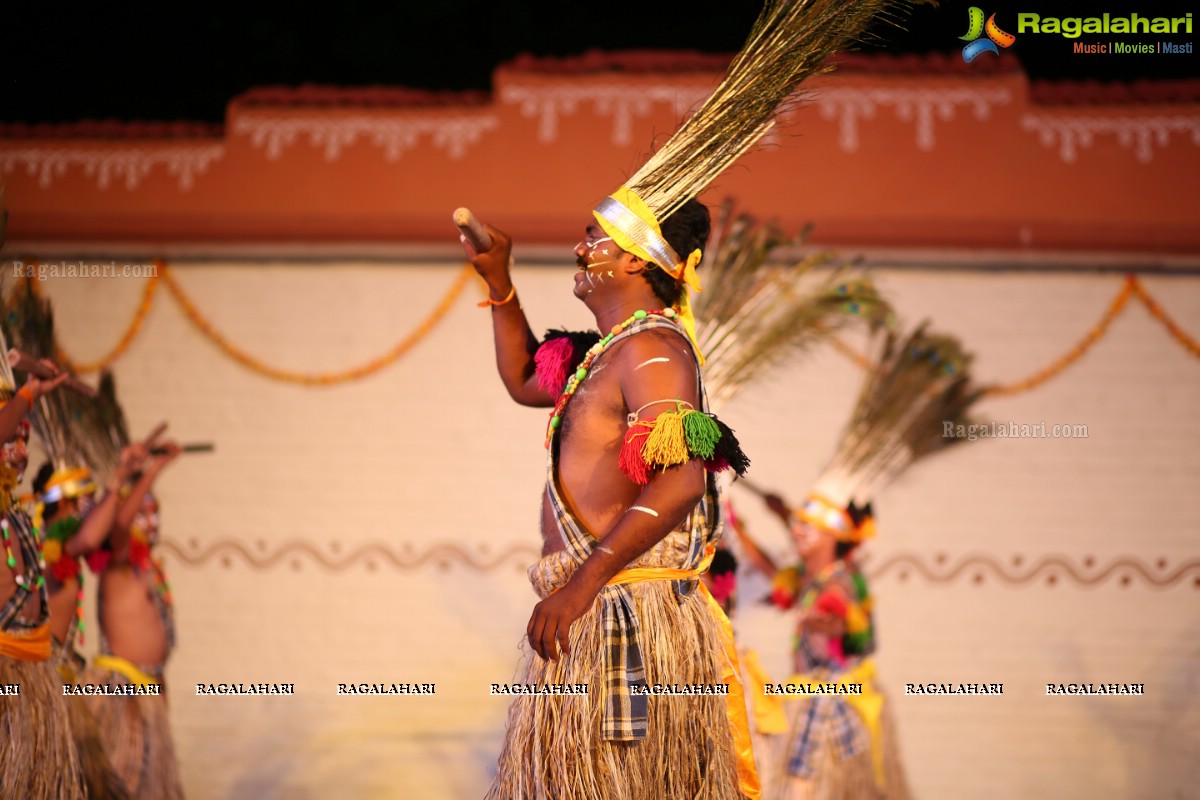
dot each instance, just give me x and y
(760, 314)
(843, 745)
(137, 622)
(763, 313)
(38, 759)
(71, 521)
(74, 526)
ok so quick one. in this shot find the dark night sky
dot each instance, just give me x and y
(74, 60)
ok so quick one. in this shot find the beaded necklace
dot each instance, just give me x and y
(161, 597)
(21, 580)
(577, 377)
(62, 566)
(141, 558)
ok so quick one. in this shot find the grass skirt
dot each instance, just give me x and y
(553, 746)
(38, 760)
(101, 779)
(136, 732)
(833, 778)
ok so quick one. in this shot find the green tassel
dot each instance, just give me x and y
(855, 643)
(860, 586)
(702, 433)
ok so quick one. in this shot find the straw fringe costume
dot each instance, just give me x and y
(38, 759)
(136, 729)
(615, 742)
(99, 776)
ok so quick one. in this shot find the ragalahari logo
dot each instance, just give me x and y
(977, 28)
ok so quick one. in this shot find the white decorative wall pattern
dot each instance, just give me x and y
(923, 106)
(1073, 133)
(131, 165)
(622, 102)
(395, 136)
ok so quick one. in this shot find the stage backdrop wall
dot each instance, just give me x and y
(379, 531)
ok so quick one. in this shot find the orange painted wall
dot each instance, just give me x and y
(879, 158)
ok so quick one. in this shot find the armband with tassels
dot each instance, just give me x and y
(676, 437)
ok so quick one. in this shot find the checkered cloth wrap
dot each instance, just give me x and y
(624, 718)
(829, 719)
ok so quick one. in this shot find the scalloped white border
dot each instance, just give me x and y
(622, 102)
(1142, 134)
(922, 106)
(131, 165)
(395, 136)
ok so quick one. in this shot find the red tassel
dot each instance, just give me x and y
(716, 464)
(830, 603)
(98, 559)
(64, 569)
(631, 462)
(139, 554)
(783, 599)
(552, 362)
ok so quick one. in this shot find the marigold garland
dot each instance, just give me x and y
(135, 327)
(318, 379)
(1159, 314)
(1075, 353)
(1131, 288)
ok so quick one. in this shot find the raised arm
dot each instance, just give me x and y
(99, 521)
(515, 342)
(757, 557)
(119, 538)
(662, 505)
(23, 401)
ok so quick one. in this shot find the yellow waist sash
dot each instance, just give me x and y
(126, 668)
(31, 646)
(735, 706)
(770, 717)
(868, 706)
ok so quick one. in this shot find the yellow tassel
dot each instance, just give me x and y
(51, 551)
(856, 619)
(666, 445)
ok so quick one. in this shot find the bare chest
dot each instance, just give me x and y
(588, 474)
(594, 421)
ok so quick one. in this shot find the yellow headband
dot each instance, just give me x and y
(633, 227)
(68, 483)
(833, 519)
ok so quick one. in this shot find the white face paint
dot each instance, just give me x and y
(592, 257)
